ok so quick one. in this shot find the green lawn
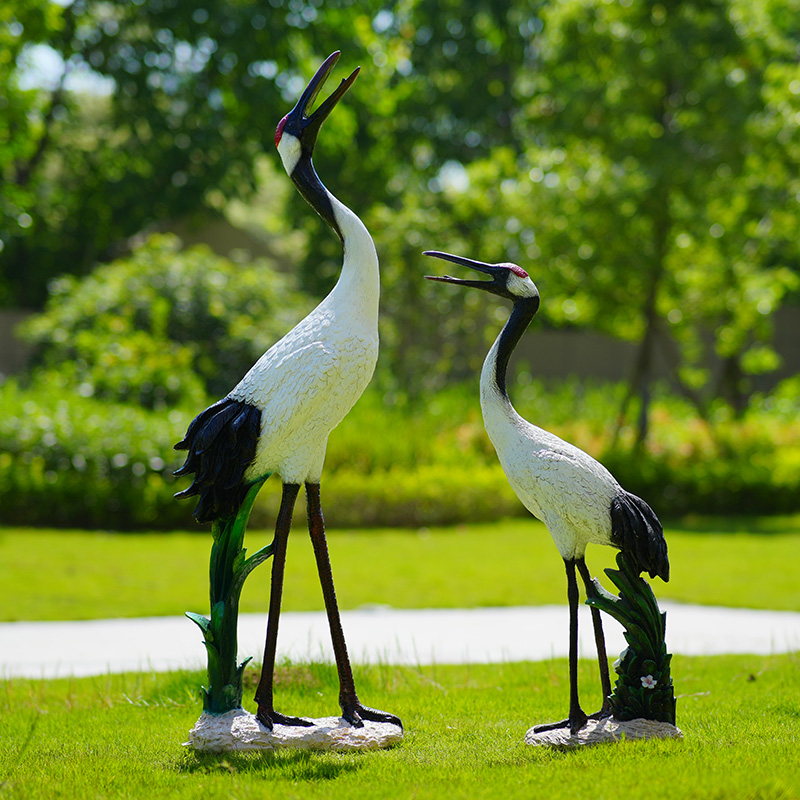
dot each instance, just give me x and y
(119, 736)
(79, 575)
(116, 737)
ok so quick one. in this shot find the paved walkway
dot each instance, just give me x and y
(485, 635)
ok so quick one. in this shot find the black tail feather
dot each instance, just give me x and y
(222, 444)
(198, 421)
(635, 529)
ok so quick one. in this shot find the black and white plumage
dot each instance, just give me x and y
(278, 418)
(222, 444)
(575, 496)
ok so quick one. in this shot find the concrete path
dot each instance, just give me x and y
(483, 635)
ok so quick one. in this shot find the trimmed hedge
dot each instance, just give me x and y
(67, 460)
(429, 495)
(74, 461)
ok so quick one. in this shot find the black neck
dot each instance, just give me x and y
(522, 313)
(310, 186)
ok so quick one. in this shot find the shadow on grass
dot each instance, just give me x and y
(291, 765)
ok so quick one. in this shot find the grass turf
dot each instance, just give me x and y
(52, 575)
(120, 736)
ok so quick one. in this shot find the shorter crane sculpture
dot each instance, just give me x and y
(575, 496)
(278, 418)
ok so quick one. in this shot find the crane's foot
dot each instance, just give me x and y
(270, 718)
(574, 723)
(355, 714)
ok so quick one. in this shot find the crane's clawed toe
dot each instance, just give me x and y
(575, 724)
(554, 726)
(271, 718)
(355, 714)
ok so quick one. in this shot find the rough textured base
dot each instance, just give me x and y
(598, 731)
(239, 730)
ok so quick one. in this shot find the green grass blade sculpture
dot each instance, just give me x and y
(644, 687)
(228, 570)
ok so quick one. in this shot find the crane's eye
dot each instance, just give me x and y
(279, 130)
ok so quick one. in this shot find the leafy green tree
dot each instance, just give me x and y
(26, 120)
(196, 92)
(669, 190)
(647, 178)
(195, 95)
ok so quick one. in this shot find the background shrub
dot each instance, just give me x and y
(154, 327)
(67, 460)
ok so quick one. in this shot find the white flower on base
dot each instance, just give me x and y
(648, 682)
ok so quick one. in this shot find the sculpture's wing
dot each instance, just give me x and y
(222, 443)
(636, 530)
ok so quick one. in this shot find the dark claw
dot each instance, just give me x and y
(573, 725)
(551, 726)
(576, 724)
(270, 718)
(355, 713)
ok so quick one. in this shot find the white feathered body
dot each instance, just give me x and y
(308, 381)
(565, 488)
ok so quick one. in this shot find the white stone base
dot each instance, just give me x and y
(597, 731)
(240, 731)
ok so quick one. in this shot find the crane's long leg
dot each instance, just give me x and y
(352, 710)
(577, 717)
(599, 638)
(266, 710)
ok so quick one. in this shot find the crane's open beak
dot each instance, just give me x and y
(494, 270)
(306, 126)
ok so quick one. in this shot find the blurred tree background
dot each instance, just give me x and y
(641, 159)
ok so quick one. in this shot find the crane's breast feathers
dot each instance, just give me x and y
(221, 444)
(288, 378)
(315, 384)
(573, 483)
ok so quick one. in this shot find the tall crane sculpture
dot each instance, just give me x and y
(278, 418)
(576, 497)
